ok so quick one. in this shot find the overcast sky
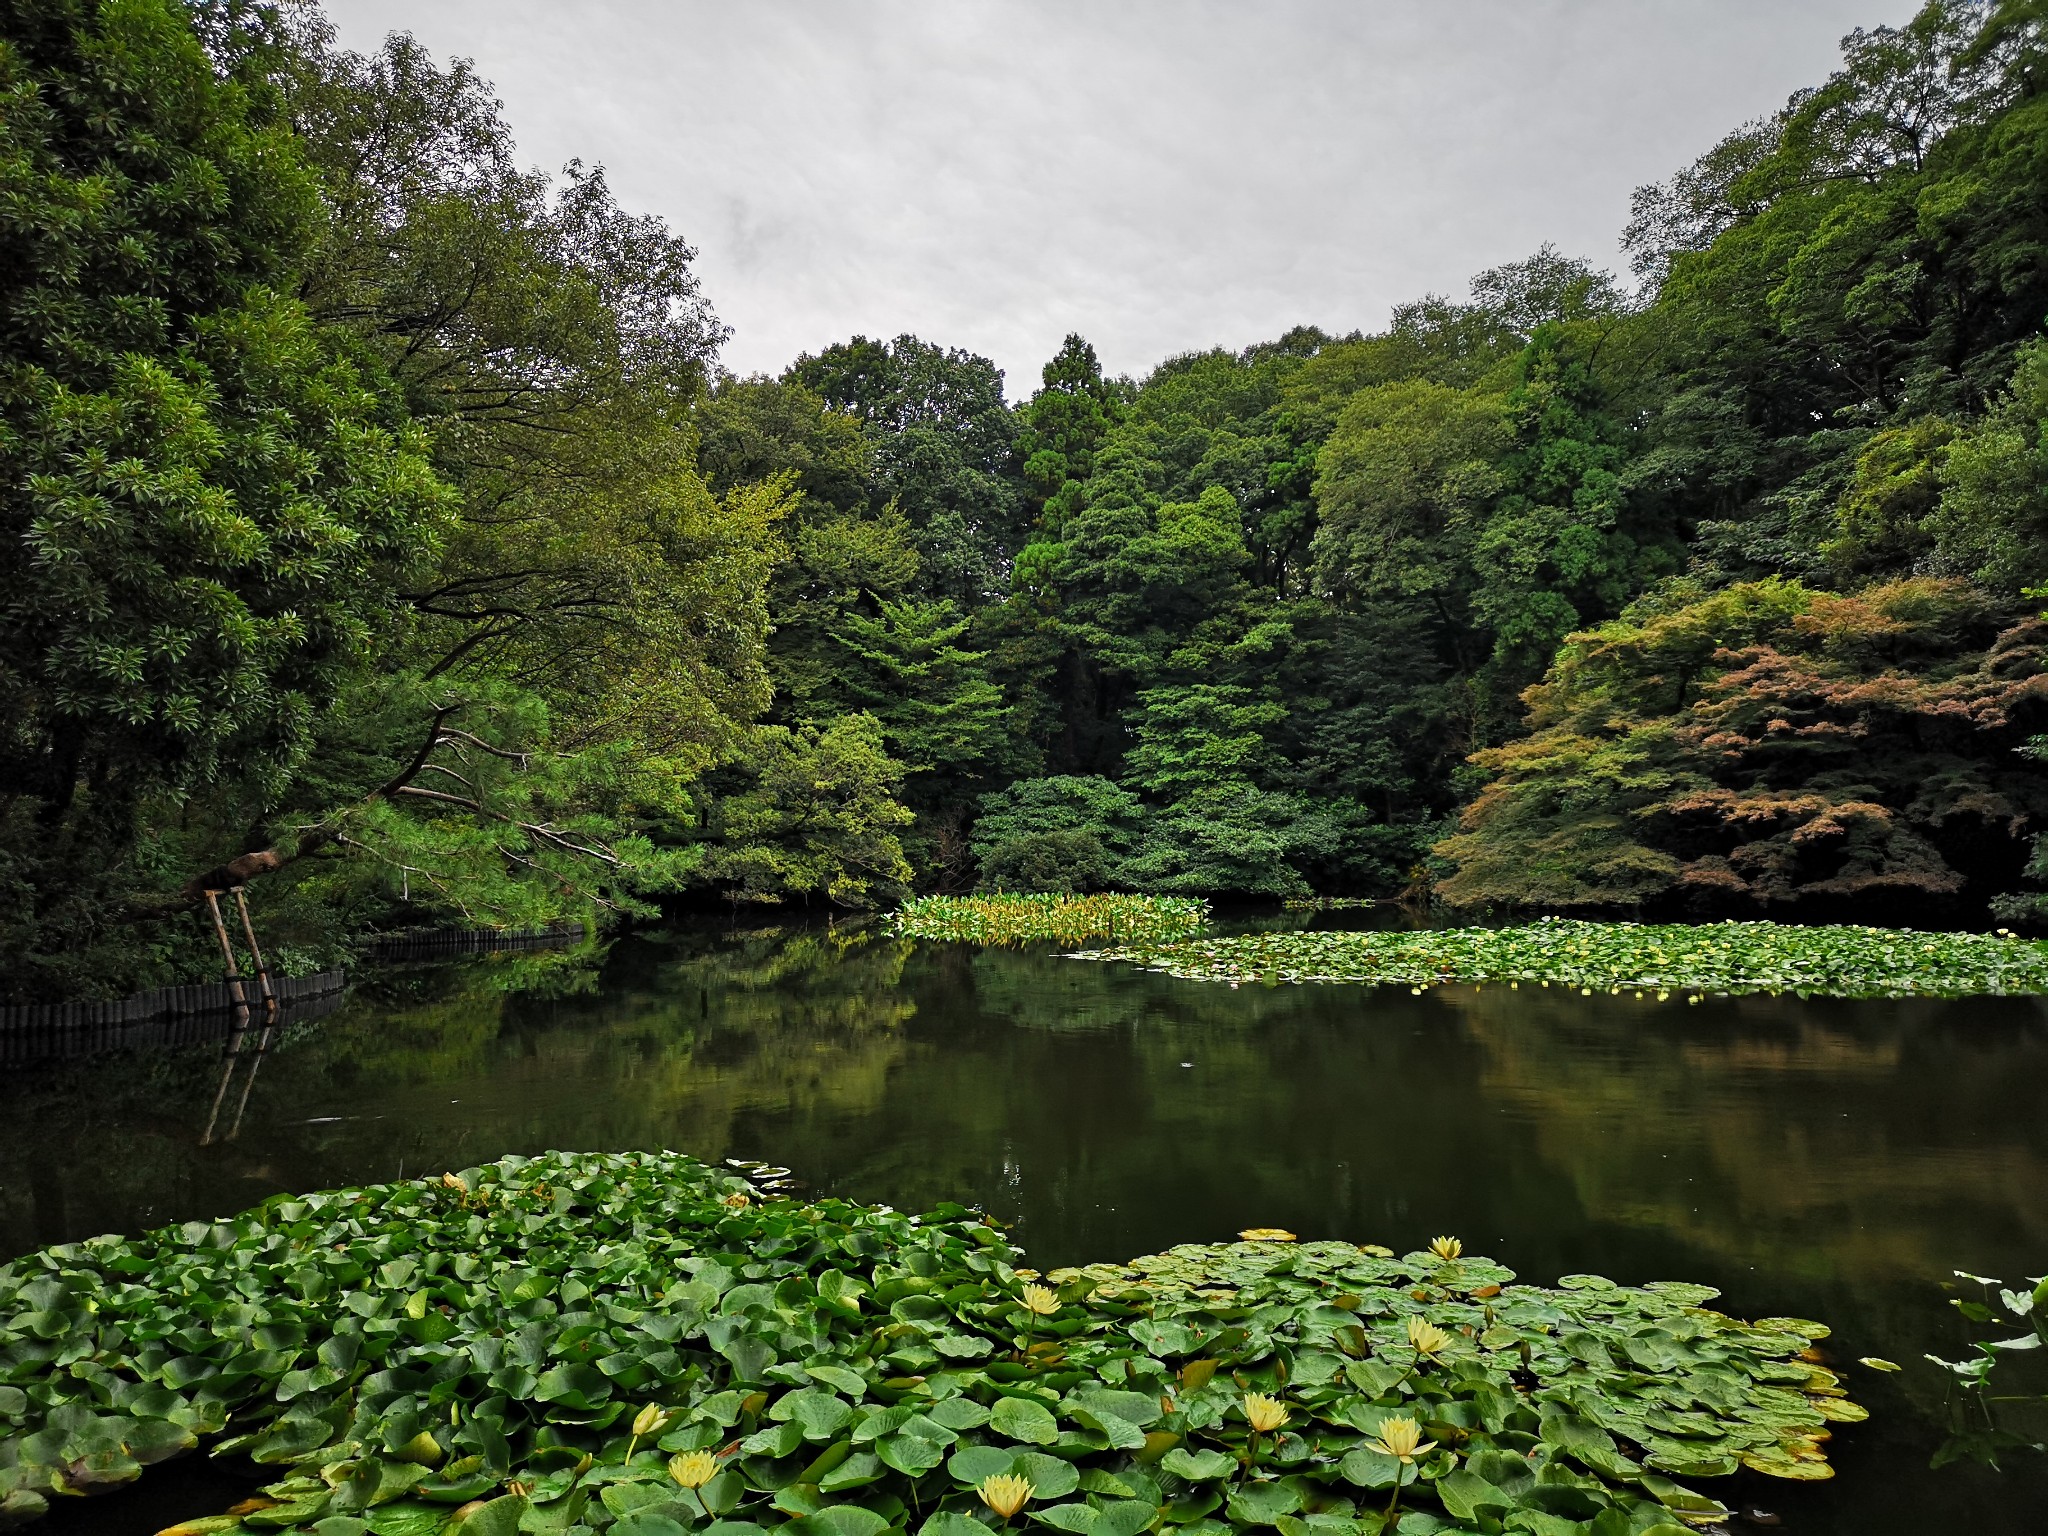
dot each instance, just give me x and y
(1160, 175)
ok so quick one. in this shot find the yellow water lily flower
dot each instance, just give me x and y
(648, 1420)
(1401, 1439)
(1264, 1414)
(1426, 1338)
(1446, 1247)
(693, 1469)
(1006, 1493)
(1040, 1301)
(1266, 1235)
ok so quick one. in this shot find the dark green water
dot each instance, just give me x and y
(1825, 1160)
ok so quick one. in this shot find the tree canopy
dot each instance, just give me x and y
(390, 539)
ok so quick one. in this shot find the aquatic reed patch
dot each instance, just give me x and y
(1026, 918)
(1659, 960)
(642, 1345)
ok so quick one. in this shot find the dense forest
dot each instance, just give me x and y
(385, 534)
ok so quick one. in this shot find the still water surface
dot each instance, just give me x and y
(1819, 1159)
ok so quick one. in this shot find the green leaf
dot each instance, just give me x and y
(977, 1463)
(852, 1383)
(1197, 1466)
(845, 1520)
(1262, 1503)
(949, 1524)
(1017, 1418)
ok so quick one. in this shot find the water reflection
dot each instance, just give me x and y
(1820, 1159)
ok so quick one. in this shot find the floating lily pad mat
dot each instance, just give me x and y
(1019, 919)
(546, 1345)
(1660, 960)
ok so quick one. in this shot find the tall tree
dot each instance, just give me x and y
(210, 498)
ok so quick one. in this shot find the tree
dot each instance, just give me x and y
(1063, 425)
(944, 445)
(213, 500)
(816, 820)
(940, 714)
(1064, 833)
(1768, 748)
(1229, 838)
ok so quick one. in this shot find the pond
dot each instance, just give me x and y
(1819, 1159)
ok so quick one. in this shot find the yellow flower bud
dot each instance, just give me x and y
(1426, 1338)
(1041, 1301)
(1005, 1493)
(1263, 1413)
(647, 1421)
(1401, 1439)
(693, 1469)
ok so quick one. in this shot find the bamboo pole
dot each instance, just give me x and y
(262, 968)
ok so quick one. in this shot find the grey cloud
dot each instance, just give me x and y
(1158, 174)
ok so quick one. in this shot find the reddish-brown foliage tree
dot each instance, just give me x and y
(1767, 746)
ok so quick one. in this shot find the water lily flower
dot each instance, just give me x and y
(693, 1469)
(1264, 1414)
(1401, 1439)
(1006, 1493)
(1040, 1302)
(1266, 1235)
(1426, 1338)
(1446, 1247)
(648, 1420)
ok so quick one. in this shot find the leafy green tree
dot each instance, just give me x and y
(941, 715)
(1228, 838)
(1063, 833)
(1991, 519)
(1404, 488)
(1064, 424)
(944, 445)
(1197, 734)
(1564, 541)
(210, 499)
(753, 430)
(817, 819)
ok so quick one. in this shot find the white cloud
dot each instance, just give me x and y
(1160, 175)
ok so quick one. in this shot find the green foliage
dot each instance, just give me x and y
(817, 818)
(1197, 735)
(1228, 838)
(940, 713)
(1064, 424)
(492, 818)
(315, 401)
(1066, 833)
(1992, 517)
(550, 1340)
(1767, 745)
(1726, 959)
(211, 501)
(1981, 1430)
(943, 442)
(1065, 919)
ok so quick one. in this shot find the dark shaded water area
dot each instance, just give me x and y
(1829, 1160)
